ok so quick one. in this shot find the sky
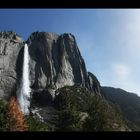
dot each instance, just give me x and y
(108, 39)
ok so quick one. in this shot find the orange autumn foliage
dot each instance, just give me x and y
(16, 121)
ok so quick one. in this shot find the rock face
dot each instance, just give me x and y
(10, 45)
(93, 84)
(55, 61)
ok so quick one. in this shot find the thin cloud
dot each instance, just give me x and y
(120, 71)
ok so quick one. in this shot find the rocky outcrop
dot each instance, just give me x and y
(94, 84)
(10, 45)
(55, 61)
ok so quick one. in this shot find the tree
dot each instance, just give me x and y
(68, 120)
(67, 103)
(15, 118)
(3, 111)
(97, 115)
(36, 125)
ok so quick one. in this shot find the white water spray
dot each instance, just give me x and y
(23, 93)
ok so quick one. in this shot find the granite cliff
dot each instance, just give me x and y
(10, 46)
(55, 62)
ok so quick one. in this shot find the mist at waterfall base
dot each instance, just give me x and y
(23, 92)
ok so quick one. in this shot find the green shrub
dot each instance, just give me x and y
(97, 119)
(3, 118)
(35, 125)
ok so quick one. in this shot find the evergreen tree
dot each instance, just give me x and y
(15, 118)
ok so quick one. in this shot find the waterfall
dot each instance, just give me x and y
(23, 92)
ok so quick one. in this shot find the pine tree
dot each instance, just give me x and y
(16, 121)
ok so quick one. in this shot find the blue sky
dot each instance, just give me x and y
(109, 39)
